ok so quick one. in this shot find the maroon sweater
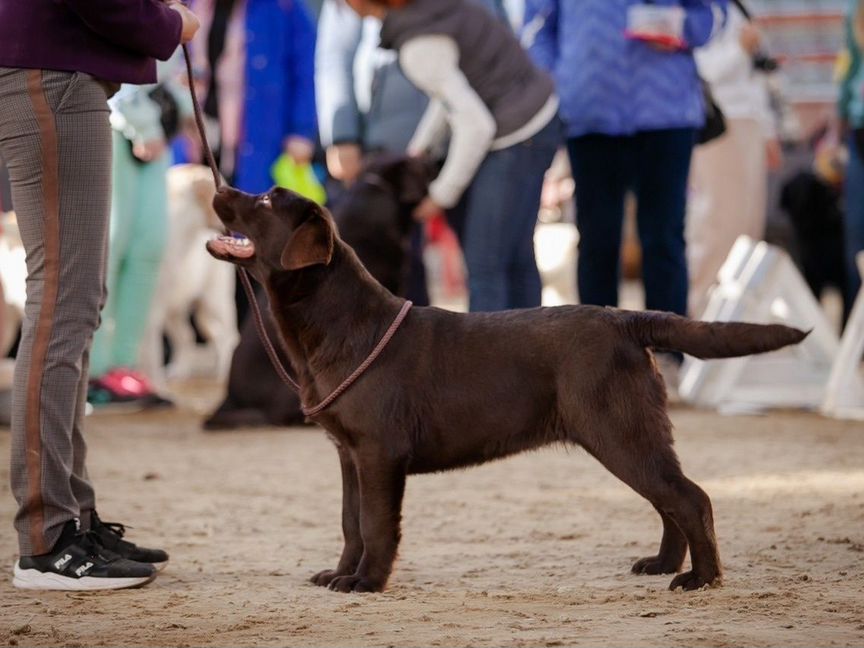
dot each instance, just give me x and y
(113, 40)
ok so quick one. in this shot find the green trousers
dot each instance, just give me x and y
(138, 232)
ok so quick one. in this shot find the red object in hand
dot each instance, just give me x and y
(669, 42)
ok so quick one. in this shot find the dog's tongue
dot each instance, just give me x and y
(236, 246)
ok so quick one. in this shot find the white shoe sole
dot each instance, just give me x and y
(160, 566)
(36, 580)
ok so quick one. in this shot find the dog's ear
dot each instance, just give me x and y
(310, 244)
(413, 184)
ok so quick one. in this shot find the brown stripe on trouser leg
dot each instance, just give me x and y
(55, 139)
(51, 243)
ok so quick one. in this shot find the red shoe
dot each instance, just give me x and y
(126, 383)
(127, 389)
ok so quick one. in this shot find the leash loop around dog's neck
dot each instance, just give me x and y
(250, 292)
(382, 343)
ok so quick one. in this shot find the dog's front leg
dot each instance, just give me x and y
(353, 549)
(382, 484)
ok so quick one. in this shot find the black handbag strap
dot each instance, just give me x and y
(743, 9)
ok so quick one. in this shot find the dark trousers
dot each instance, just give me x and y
(655, 165)
(495, 223)
(853, 224)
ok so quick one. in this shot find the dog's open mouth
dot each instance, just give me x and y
(236, 246)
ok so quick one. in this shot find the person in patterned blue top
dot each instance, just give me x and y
(632, 110)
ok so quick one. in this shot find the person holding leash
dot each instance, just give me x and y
(502, 111)
(59, 63)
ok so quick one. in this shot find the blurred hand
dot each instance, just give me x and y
(774, 154)
(751, 39)
(149, 151)
(344, 162)
(300, 149)
(427, 210)
(190, 21)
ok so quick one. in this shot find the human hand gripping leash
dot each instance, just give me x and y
(250, 292)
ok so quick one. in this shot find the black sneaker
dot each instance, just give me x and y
(79, 562)
(111, 535)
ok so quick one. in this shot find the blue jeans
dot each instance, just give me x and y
(853, 224)
(500, 212)
(655, 165)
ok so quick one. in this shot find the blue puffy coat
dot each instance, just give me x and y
(280, 93)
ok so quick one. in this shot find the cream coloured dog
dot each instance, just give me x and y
(13, 278)
(190, 281)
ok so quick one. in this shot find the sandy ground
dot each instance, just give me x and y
(534, 550)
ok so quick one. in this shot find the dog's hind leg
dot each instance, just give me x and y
(673, 548)
(382, 485)
(352, 552)
(639, 452)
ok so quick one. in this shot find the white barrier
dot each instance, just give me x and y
(844, 395)
(759, 283)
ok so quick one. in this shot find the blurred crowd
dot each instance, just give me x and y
(665, 115)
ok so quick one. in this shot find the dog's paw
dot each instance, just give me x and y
(653, 565)
(690, 580)
(324, 578)
(355, 583)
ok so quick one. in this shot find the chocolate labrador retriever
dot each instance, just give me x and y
(454, 390)
(375, 218)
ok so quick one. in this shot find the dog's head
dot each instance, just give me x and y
(190, 194)
(405, 178)
(375, 215)
(273, 233)
(382, 200)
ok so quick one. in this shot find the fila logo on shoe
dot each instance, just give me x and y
(62, 562)
(83, 569)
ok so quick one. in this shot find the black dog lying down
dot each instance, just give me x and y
(374, 217)
(454, 390)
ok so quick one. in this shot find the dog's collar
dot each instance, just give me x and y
(382, 344)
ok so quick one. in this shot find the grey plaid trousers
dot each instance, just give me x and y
(55, 139)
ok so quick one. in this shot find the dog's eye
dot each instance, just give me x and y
(264, 201)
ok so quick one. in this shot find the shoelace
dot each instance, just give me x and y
(93, 545)
(117, 528)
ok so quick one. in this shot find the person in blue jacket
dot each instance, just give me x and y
(851, 111)
(632, 111)
(256, 59)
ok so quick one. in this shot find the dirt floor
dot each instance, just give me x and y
(535, 550)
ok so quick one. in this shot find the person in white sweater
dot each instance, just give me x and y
(730, 174)
(502, 113)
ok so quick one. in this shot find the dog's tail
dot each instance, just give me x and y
(668, 332)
